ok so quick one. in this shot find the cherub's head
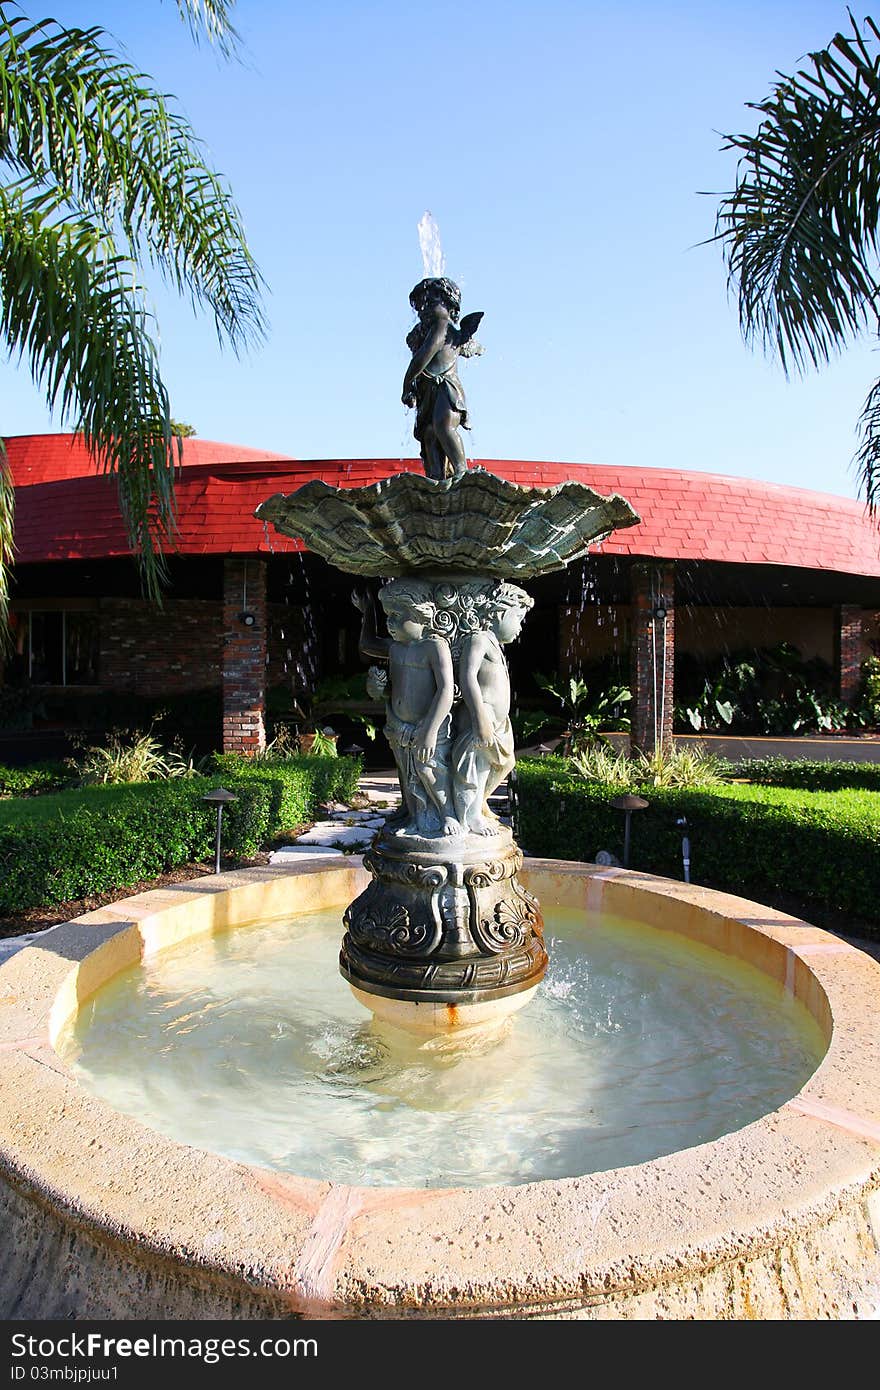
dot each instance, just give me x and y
(406, 611)
(437, 287)
(508, 606)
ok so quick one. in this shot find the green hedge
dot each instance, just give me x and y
(809, 775)
(744, 839)
(93, 840)
(297, 784)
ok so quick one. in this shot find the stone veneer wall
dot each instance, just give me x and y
(653, 655)
(244, 656)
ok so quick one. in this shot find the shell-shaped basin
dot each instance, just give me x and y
(477, 523)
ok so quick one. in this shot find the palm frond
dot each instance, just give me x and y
(799, 231)
(76, 119)
(7, 521)
(211, 18)
(71, 307)
(867, 458)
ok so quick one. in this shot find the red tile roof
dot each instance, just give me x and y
(66, 511)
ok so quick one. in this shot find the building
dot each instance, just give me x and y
(717, 563)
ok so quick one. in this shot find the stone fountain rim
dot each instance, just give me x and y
(325, 1249)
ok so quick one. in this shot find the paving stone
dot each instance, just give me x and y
(290, 852)
(10, 944)
(332, 833)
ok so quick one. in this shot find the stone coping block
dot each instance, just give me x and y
(106, 1218)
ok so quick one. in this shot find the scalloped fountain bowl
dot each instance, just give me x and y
(105, 1217)
(475, 524)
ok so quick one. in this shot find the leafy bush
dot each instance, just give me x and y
(20, 705)
(744, 839)
(600, 763)
(870, 694)
(665, 767)
(583, 711)
(97, 839)
(132, 757)
(771, 690)
(39, 777)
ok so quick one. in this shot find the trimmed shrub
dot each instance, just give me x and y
(80, 844)
(744, 839)
(94, 840)
(298, 784)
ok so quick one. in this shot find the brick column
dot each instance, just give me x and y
(244, 655)
(652, 669)
(849, 643)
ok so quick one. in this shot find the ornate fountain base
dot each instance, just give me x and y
(445, 937)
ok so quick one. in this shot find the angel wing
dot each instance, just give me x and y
(469, 347)
(469, 325)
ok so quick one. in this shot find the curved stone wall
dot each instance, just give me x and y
(105, 1218)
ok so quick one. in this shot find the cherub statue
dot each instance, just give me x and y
(482, 754)
(431, 383)
(418, 725)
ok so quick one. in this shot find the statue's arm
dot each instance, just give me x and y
(472, 659)
(426, 350)
(444, 680)
(370, 643)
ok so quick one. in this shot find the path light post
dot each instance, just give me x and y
(219, 797)
(628, 803)
(685, 848)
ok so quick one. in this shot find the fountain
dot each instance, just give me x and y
(768, 1209)
(445, 936)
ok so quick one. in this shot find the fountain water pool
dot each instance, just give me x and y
(639, 1043)
(108, 1218)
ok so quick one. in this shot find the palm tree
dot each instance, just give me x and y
(103, 176)
(800, 229)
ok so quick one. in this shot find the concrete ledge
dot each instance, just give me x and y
(105, 1218)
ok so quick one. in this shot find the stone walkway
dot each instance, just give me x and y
(344, 831)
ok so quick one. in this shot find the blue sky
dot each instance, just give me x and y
(562, 148)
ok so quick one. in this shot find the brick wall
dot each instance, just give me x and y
(653, 655)
(851, 652)
(160, 651)
(244, 656)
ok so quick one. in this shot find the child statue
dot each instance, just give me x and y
(431, 383)
(419, 724)
(482, 755)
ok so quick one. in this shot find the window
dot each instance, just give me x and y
(63, 648)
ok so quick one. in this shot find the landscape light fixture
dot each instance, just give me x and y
(219, 797)
(248, 619)
(685, 848)
(660, 611)
(628, 803)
